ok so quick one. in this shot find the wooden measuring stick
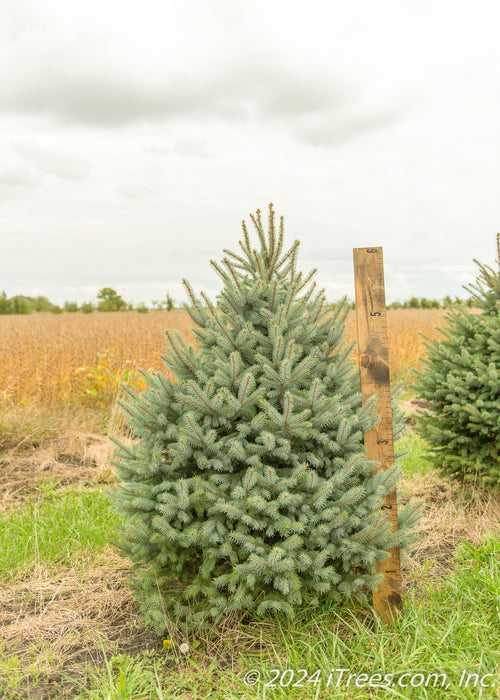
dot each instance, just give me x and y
(373, 345)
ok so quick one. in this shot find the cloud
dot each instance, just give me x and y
(315, 108)
(184, 143)
(14, 179)
(115, 66)
(109, 95)
(52, 161)
(89, 78)
(330, 127)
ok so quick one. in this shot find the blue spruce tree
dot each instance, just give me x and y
(247, 488)
(460, 380)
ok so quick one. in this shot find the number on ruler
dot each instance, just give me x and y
(375, 313)
(371, 250)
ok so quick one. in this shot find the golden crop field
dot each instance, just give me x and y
(48, 359)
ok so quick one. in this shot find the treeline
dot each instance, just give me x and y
(424, 303)
(109, 300)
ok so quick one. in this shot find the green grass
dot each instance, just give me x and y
(54, 529)
(454, 629)
(415, 460)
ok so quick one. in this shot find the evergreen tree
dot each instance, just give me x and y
(460, 380)
(247, 487)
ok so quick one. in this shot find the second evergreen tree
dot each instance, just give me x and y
(460, 380)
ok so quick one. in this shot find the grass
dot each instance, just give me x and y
(77, 632)
(54, 529)
(414, 461)
(447, 631)
(450, 631)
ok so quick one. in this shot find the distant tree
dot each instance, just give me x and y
(110, 300)
(142, 308)
(168, 303)
(414, 303)
(40, 304)
(22, 305)
(87, 307)
(6, 305)
(70, 306)
(429, 303)
(447, 301)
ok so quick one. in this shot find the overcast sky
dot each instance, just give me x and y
(136, 135)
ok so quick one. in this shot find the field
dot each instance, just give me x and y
(73, 359)
(68, 624)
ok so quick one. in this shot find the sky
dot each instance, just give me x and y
(136, 136)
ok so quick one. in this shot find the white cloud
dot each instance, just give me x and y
(107, 64)
(97, 92)
(14, 179)
(330, 127)
(52, 160)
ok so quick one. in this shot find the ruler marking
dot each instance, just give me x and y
(373, 346)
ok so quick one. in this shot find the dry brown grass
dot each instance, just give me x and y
(405, 342)
(61, 459)
(451, 515)
(50, 360)
(59, 625)
(404, 329)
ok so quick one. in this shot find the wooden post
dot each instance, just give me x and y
(373, 346)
